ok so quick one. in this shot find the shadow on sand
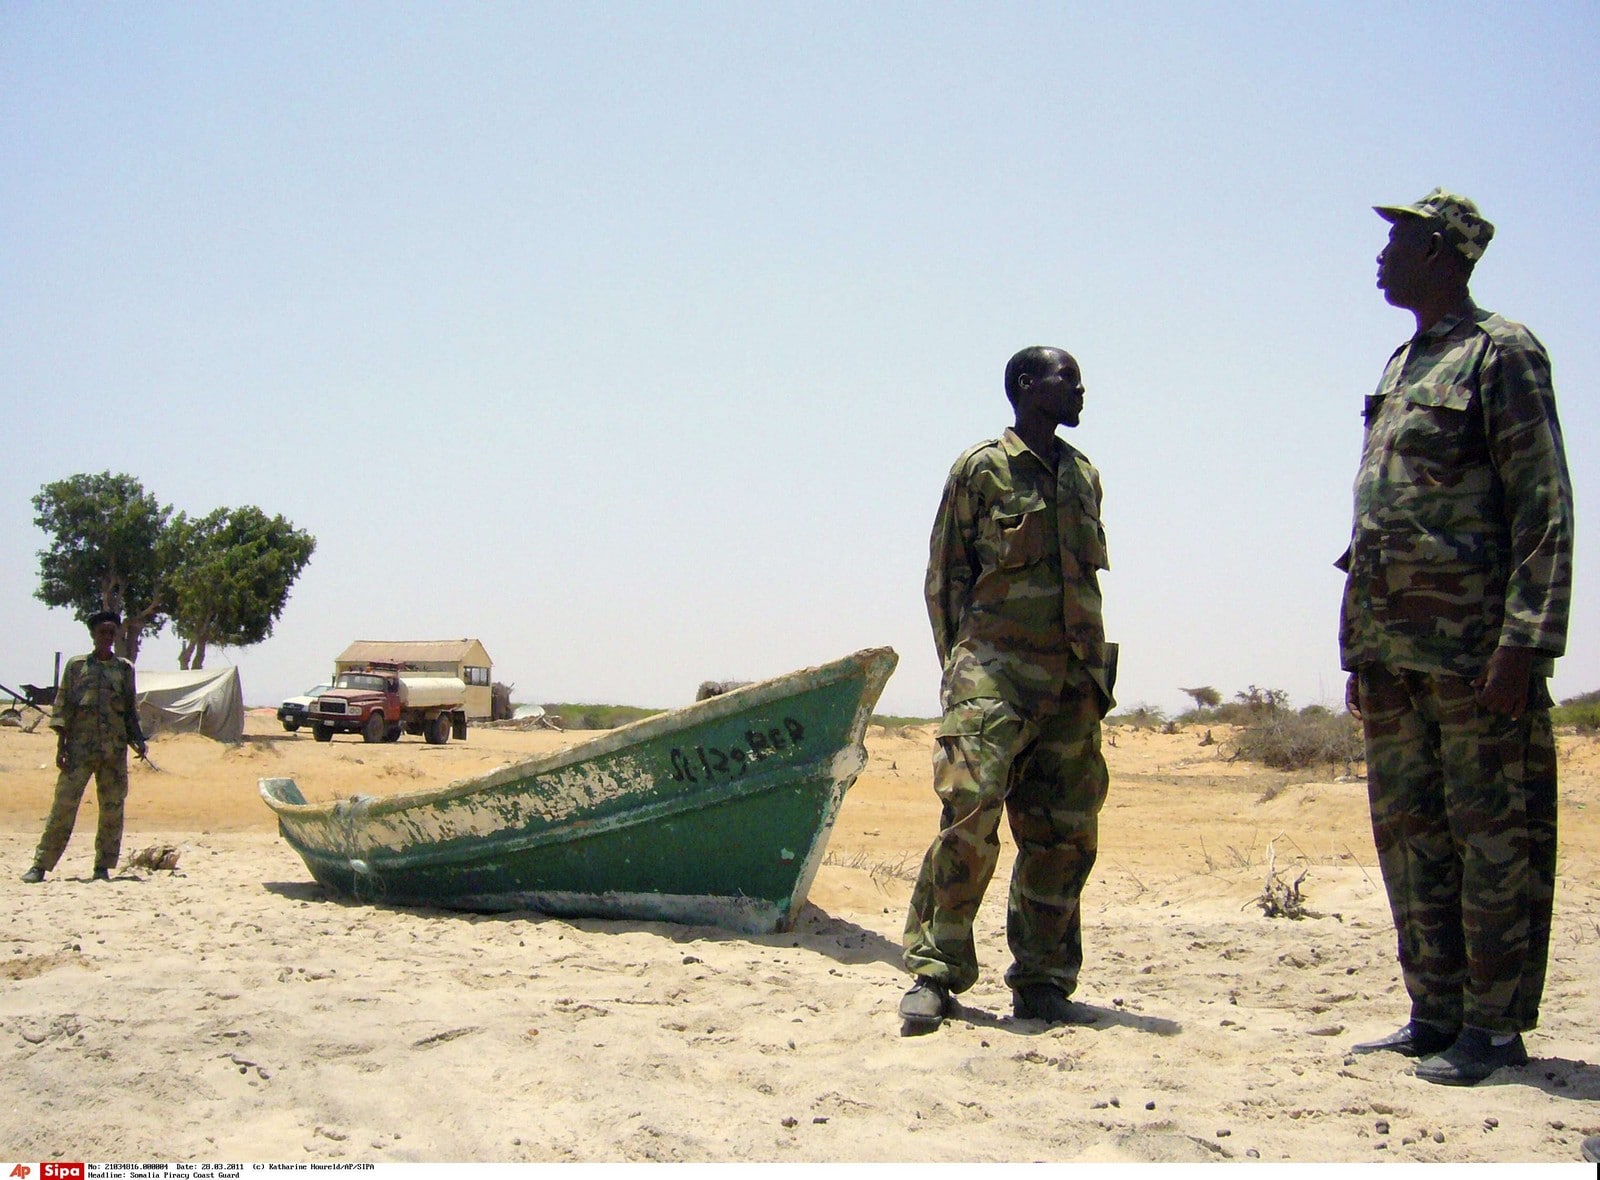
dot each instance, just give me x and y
(1103, 1018)
(835, 938)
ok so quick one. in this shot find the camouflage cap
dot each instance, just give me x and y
(1456, 217)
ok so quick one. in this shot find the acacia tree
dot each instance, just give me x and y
(233, 580)
(1204, 697)
(110, 549)
(222, 579)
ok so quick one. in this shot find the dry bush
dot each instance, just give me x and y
(1292, 741)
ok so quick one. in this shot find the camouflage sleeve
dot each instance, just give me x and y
(130, 715)
(66, 702)
(1526, 450)
(952, 564)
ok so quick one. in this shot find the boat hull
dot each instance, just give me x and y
(717, 814)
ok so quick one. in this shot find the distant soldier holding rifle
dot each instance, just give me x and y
(96, 719)
(1455, 608)
(1013, 594)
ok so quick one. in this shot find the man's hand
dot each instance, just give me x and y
(1352, 695)
(1502, 686)
(61, 756)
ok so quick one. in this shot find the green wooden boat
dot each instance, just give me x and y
(714, 814)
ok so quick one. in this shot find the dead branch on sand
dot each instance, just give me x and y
(157, 857)
(1280, 898)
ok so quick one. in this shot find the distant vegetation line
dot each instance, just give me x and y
(577, 716)
(1582, 712)
(572, 716)
(891, 721)
(1272, 733)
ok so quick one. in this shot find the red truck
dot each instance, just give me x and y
(380, 702)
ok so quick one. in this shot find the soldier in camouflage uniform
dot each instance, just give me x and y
(1014, 599)
(96, 719)
(1459, 577)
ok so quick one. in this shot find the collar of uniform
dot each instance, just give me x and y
(1449, 323)
(1011, 442)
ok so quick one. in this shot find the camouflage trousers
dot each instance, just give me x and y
(110, 771)
(1048, 775)
(1464, 817)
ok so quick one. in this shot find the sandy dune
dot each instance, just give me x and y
(230, 1011)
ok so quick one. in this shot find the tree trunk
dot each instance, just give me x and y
(113, 594)
(129, 638)
(192, 656)
(134, 623)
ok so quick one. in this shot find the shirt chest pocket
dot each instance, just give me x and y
(1439, 424)
(1020, 535)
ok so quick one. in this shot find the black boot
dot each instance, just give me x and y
(1047, 1002)
(1416, 1039)
(924, 1007)
(1472, 1058)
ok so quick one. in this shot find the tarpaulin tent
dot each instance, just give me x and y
(206, 701)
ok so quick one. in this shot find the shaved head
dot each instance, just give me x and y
(1033, 363)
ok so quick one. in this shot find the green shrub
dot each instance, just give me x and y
(889, 721)
(1581, 712)
(569, 716)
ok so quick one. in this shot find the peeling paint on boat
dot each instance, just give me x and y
(717, 813)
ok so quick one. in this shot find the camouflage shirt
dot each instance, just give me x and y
(1462, 539)
(1012, 589)
(96, 708)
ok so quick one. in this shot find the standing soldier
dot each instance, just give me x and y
(96, 719)
(1459, 576)
(1014, 598)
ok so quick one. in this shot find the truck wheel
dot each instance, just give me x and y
(439, 730)
(321, 732)
(392, 734)
(290, 726)
(374, 729)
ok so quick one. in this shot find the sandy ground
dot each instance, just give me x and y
(229, 1010)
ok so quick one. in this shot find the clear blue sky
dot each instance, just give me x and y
(636, 339)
